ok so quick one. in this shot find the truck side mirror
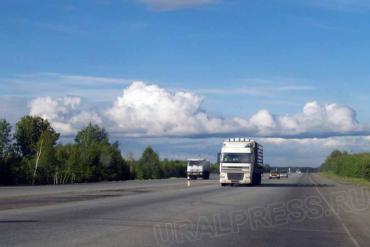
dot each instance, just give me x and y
(218, 158)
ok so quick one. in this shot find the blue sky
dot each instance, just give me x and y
(236, 57)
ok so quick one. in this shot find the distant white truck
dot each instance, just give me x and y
(198, 168)
(241, 162)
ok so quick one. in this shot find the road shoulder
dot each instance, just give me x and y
(350, 204)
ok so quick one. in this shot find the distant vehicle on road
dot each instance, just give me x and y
(284, 174)
(274, 174)
(241, 162)
(198, 168)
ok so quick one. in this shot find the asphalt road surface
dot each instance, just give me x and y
(302, 210)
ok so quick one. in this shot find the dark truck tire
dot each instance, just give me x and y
(256, 179)
(205, 175)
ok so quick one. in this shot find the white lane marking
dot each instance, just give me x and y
(354, 241)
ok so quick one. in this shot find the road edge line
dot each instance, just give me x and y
(354, 241)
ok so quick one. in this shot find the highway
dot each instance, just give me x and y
(302, 210)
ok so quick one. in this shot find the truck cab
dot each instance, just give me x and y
(198, 168)
(241, 162)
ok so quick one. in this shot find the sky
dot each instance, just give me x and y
(182, 75)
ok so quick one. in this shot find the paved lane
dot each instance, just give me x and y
(304, 210)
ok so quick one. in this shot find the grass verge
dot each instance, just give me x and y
(337, 178)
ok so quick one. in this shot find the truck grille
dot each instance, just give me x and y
(235, 176)
(232, 169)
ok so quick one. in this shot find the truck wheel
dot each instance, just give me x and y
(259, 179)
(253, 182)
(206, 175)
(256, 179)
(223, 185)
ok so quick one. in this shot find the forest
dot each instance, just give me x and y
(32, 153)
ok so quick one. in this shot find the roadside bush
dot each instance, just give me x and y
(348, 165)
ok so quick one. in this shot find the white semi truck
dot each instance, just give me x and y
(198, 168)
(241, 162)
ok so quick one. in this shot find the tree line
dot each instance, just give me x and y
(31, 154)
(348, 165)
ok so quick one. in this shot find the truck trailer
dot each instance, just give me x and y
(198, 168)
(241, 162)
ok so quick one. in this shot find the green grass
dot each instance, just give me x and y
(356, 181)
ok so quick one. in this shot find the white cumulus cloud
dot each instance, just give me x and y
(149, 110)
(64, 114)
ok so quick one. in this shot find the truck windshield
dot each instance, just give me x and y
(236, 158)
(194, 163)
